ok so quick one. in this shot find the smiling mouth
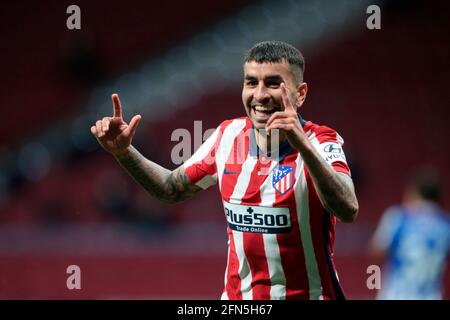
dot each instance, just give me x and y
(263, 112)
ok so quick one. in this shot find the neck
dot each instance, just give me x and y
(265, 142)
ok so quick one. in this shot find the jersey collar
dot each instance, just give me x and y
(285, 147)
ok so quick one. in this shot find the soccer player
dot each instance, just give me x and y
(414, 238)
(281, 197)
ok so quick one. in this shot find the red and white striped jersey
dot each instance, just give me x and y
(281, 238)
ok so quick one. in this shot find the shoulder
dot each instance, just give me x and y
(394, 212)
(232, 126)
(392, 218)
(445, 219)
(241, 121)
(322, 133)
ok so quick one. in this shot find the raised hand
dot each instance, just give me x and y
(287, 121)
(113, 133)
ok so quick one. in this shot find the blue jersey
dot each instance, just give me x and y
(417, 244)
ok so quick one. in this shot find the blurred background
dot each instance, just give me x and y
(64, 201)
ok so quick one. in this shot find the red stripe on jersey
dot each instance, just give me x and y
(318, 238)
(291, 247)
(340, 166)
(254, 242)
(325, 134)
(233, 285)
(256, 257)
(228, 183)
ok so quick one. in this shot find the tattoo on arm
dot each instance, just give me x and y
(165, 185)
(344, 191)
(337, 195)
(335, 189)
(180, 186)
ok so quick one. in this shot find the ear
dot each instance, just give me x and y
(302, 90)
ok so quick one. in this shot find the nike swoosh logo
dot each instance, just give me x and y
(225, 171)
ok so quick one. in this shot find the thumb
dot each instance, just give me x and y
(133, 125)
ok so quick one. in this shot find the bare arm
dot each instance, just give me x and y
(335, 189)
(165, 185)
(115, 136)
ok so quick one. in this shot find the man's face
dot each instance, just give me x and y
(261, 93)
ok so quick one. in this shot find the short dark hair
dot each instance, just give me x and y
(277, 52)
(427, 183)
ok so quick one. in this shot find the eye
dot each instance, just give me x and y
(273, 84)
(251, 83)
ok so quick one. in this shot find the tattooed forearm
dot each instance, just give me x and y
(337, 194)
(152, 177)
(335, 190)
(180, 186)
(165, 185)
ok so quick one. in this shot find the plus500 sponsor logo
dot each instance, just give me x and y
(253, 221)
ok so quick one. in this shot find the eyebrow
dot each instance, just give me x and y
(277, 78)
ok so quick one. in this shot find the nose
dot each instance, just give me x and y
(261, 94)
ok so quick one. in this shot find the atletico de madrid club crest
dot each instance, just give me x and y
(283, 178)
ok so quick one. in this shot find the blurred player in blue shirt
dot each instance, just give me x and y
(414, 239)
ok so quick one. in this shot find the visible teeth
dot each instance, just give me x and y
(264, 109)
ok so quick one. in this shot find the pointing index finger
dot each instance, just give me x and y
(287, 103)
(117, 108)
